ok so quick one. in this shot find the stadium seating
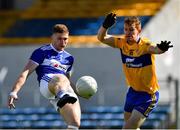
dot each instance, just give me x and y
(79, 26)
(95, 117)
(34, 24)
(91, 8)
(39, 30)
(7, 19)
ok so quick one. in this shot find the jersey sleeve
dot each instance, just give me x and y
(147, 45)
(37, 56)
(72, 62)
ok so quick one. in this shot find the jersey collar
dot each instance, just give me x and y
(138, 39)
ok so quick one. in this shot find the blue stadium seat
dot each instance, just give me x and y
(92, 118)
(162, 109)
(21, 117)
(157, 116)
(28, 111)
(103, 109)
(6, 118)
(32, 117)
(102, 116)
(9, 125)
(50, 117)
(10, 112)
(87, 124)
(151, 125)
(102, 124)
(110, 124)
(48, 124)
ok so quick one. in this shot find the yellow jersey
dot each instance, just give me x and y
(138, 65)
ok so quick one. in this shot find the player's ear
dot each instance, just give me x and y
(52, 36)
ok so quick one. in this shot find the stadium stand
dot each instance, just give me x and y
(80, 8)
(34, 24)
(101, 117)
(7, 19)
(79, 26)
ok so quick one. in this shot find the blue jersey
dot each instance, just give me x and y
(51, 61)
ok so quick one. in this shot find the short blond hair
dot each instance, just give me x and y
(133, 20)
(60, 28)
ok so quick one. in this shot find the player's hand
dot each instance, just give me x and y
(12, 96)
(109, 20)
(164, 45)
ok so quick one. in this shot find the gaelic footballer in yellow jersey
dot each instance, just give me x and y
(138, 64)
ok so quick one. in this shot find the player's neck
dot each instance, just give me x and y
(56, 49)
(134, 41)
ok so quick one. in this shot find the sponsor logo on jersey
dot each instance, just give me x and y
(130, 62)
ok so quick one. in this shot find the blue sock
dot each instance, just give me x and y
(60, 94)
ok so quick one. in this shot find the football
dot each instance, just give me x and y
(86, 86)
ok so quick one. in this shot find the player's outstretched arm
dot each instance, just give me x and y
(160, 48)
(28, 69)
(102, 32)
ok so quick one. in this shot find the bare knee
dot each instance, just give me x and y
(59, 79)
(58, 82)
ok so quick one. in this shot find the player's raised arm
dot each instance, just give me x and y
(28, 69)
(102, 32)
(160, 48)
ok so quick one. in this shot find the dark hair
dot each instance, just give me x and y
(133, 20)
(60, 28)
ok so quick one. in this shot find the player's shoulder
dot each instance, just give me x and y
(120, 37)
(67, 54)
(40, 50)
(43, 47)
(146, 41)
(144, 38)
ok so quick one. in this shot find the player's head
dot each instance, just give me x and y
(60, 36)
(132, 28)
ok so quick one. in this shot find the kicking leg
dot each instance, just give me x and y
(71, 114)
(59, 85)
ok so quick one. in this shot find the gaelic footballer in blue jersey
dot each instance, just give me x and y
(138, 61)
(53, 67)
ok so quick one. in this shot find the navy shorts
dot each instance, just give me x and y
(141, 101)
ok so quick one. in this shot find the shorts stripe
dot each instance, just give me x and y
(46, 78)
(152, 105)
